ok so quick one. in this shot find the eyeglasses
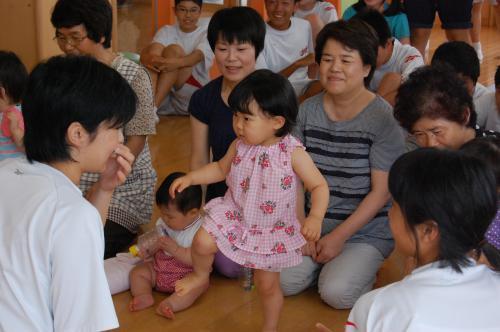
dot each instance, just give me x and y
(184, 11)
(72, 41)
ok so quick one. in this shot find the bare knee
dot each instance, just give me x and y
(173, 50)
(268, 283)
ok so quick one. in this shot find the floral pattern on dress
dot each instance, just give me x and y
(264, 161)
(236, 160)
(245, 184)
(268, 207)
(286, 182)
(279, 248)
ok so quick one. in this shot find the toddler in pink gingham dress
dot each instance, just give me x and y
(255, 224)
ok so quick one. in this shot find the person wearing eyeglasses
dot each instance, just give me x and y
(179, 59)
(83, 27)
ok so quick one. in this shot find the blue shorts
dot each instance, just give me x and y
(454, 14)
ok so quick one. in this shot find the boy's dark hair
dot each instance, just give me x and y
(456, 191)
(13, 75)
(377, 21)
(68, 89)
(95, 15)
(394, 8)
(237, 24)
(198, 2)
(190, 198)
(459, 55)
(497, 77)
(434, 92)
(354, 34)
(272, 92)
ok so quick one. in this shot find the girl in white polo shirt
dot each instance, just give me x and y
(443, 204)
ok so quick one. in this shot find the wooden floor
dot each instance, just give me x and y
(226, 306)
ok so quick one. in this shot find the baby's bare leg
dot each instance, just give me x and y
(203, 250)
(271, 297)
(176, 303)
(142, 282)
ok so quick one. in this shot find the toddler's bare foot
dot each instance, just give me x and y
(165, 310)
(141, 302)
(189, 283)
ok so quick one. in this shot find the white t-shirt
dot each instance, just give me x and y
(323, 9)
(184, 237)
(432, 299)
(282, 48)
(487, 112)
(197, 39)
(404, 60)
(479, 91)
(52, 247)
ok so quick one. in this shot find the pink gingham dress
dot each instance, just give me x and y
(255, 224)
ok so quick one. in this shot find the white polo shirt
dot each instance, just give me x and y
(432, 299)
(488, 116)
(404, 60)
(282, 48)
(52, 245)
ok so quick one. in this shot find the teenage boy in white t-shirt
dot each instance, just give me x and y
(52, 238)
(488, 107)
(395, 61)
(179, 59)
(288, 47)
(318, 13)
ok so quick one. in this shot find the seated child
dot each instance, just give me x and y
(395, 61)
(488, 107)
(288, 47)
(255, 224)
(179, 59)
(180, 217)
(317, 12)
(13, 78)
(463, 59)
(393, 14)
(443, 203)
(487, 149)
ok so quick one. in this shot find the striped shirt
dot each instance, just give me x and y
(346, 152)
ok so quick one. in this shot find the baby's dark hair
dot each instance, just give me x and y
(272, 92)
(198, 2)
(13, 75)
(190, 198)
(487, 149)
(456, 191)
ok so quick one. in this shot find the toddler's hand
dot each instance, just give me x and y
(167, 244)
(311, 228)
(179, 185)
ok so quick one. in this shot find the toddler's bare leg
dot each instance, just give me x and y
(142, 281)
(176, 303)
(203, 250)
(271, 297)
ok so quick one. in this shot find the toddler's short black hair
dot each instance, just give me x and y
(13, 75)
(272, 92)
(190, 198)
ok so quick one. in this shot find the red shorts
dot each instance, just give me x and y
(168, 271)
